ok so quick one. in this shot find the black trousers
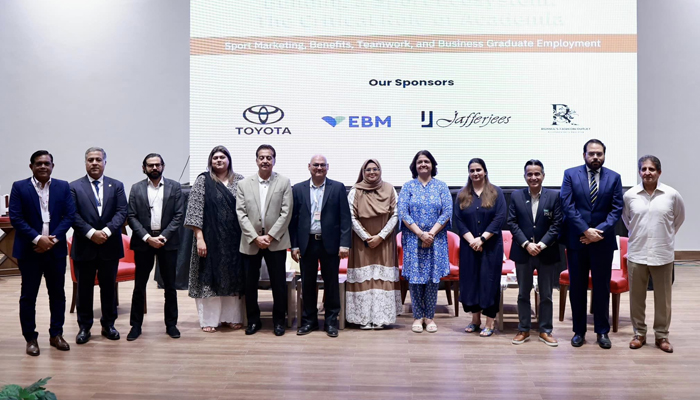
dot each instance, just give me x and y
(599, 263)
(106, 271)
(330, 263)
(276, 268)
(144, 259)
(54, 271)
(545, 275)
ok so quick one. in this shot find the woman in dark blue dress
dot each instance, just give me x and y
(479, 213)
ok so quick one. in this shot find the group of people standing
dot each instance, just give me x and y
(238, 222)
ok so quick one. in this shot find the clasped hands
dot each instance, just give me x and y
(44, 244)
(591, 235)
(427, 239)
(156, 242)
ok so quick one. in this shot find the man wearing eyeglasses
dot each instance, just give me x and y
(320, 233)
(156, 212)
(264, 209)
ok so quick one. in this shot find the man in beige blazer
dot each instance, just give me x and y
(264, 209)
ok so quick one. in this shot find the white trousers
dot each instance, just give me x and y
(215, 310)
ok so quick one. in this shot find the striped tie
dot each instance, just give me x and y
(594, 187)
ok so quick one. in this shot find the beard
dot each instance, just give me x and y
(154, 174)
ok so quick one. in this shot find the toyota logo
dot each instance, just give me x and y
(263, 114)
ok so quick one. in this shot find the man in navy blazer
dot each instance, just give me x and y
(41, 211)
(320, 232)
(156, 212)
(591, 198)
(97, 242)
(535, 218)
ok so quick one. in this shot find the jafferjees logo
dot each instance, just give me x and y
(462, 120)
(263, 116)
(564, 118)
(360, 121)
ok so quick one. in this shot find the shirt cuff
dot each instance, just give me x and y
(295, 248)
(524, 244)
(107, 231)
(90, 233)
(36, 239)
(542, 245)
(383, 235)
(344, 248)
(145, 237)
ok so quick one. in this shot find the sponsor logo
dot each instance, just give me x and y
(564, 118)
(461, 120)
(360, 121)
(263, 115)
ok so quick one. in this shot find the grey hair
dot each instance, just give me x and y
(91, 149)
(648, 157)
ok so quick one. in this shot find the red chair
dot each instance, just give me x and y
(508, 264)
(619, 283)
(125, 272)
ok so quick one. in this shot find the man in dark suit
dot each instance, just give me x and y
(97, 242)
(591, 198)
(535, 218)
(156, 212)
(320, 232)
(41, 211)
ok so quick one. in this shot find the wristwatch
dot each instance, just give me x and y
(527, 242)
(482, 239)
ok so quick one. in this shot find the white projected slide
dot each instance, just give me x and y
(503, 80)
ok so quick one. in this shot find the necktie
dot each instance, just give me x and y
(594, 187)
(97, 191)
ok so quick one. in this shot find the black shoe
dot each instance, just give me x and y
(134, 333)
(604, 341)
(173, 332)
(83, 336)
(306, 329)
(577, 340)
(252, 328)
(332, 331)
(279, 330)
(110, 333)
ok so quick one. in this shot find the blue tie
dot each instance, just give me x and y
(97, 190)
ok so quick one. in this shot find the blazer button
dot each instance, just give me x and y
(534, 226)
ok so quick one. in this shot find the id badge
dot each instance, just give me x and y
(317, 216)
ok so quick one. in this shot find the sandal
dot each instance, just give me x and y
(417, 327)
(486, 332)
(431, 328)
(472, 328)
(208, 329)
(232, 326)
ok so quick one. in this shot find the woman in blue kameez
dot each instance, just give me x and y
(425, 208)
(480, 211)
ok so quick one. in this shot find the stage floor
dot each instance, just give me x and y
(388, 364)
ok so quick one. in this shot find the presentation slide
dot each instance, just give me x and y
(502, 80)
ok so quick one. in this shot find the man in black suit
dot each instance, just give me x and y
(320, 232)
(97, 242)
(535, 217)
(41, 211)
(156, 212)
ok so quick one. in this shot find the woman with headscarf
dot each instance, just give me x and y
(216, 266)
(373, 296)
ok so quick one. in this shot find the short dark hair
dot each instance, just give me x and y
(38, 154)
(596, 141)
(414, 170)
(151, 155)
(266, 147)
(533, 162)
(655, 160)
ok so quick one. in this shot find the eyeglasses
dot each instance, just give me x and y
(154, 165)
(368, 170)
(319, 165)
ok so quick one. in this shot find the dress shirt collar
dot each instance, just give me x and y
(100, 179)
(160, 183)
(268, 180)
(535, 196)
(589, 170)
(660, 187)
(312, 186)
(38, 185)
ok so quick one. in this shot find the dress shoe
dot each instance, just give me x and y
(33, 348)
(548, 339)
(279, 330)
(306, 329)
(521, 337)
(332, 331)
(638, 341)
(252, 328)
(134, 333)
(604, 341)
(173, 332)
(110, 333)
(83, 336)
(663, 344)
(59, 343)
(577, 340)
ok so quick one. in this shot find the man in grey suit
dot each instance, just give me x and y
(264, 209)
(156, 212)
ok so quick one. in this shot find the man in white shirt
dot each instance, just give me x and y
(264, 208)
(653, 213)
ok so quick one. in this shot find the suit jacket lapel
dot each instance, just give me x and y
(270, 190)
(602, 183)
(34, 196)
(540, 206)
(106, 193)
(166, 192)
(305, 193)
(87, 188)
(326, 193)
(528, 204)
(583, 175)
